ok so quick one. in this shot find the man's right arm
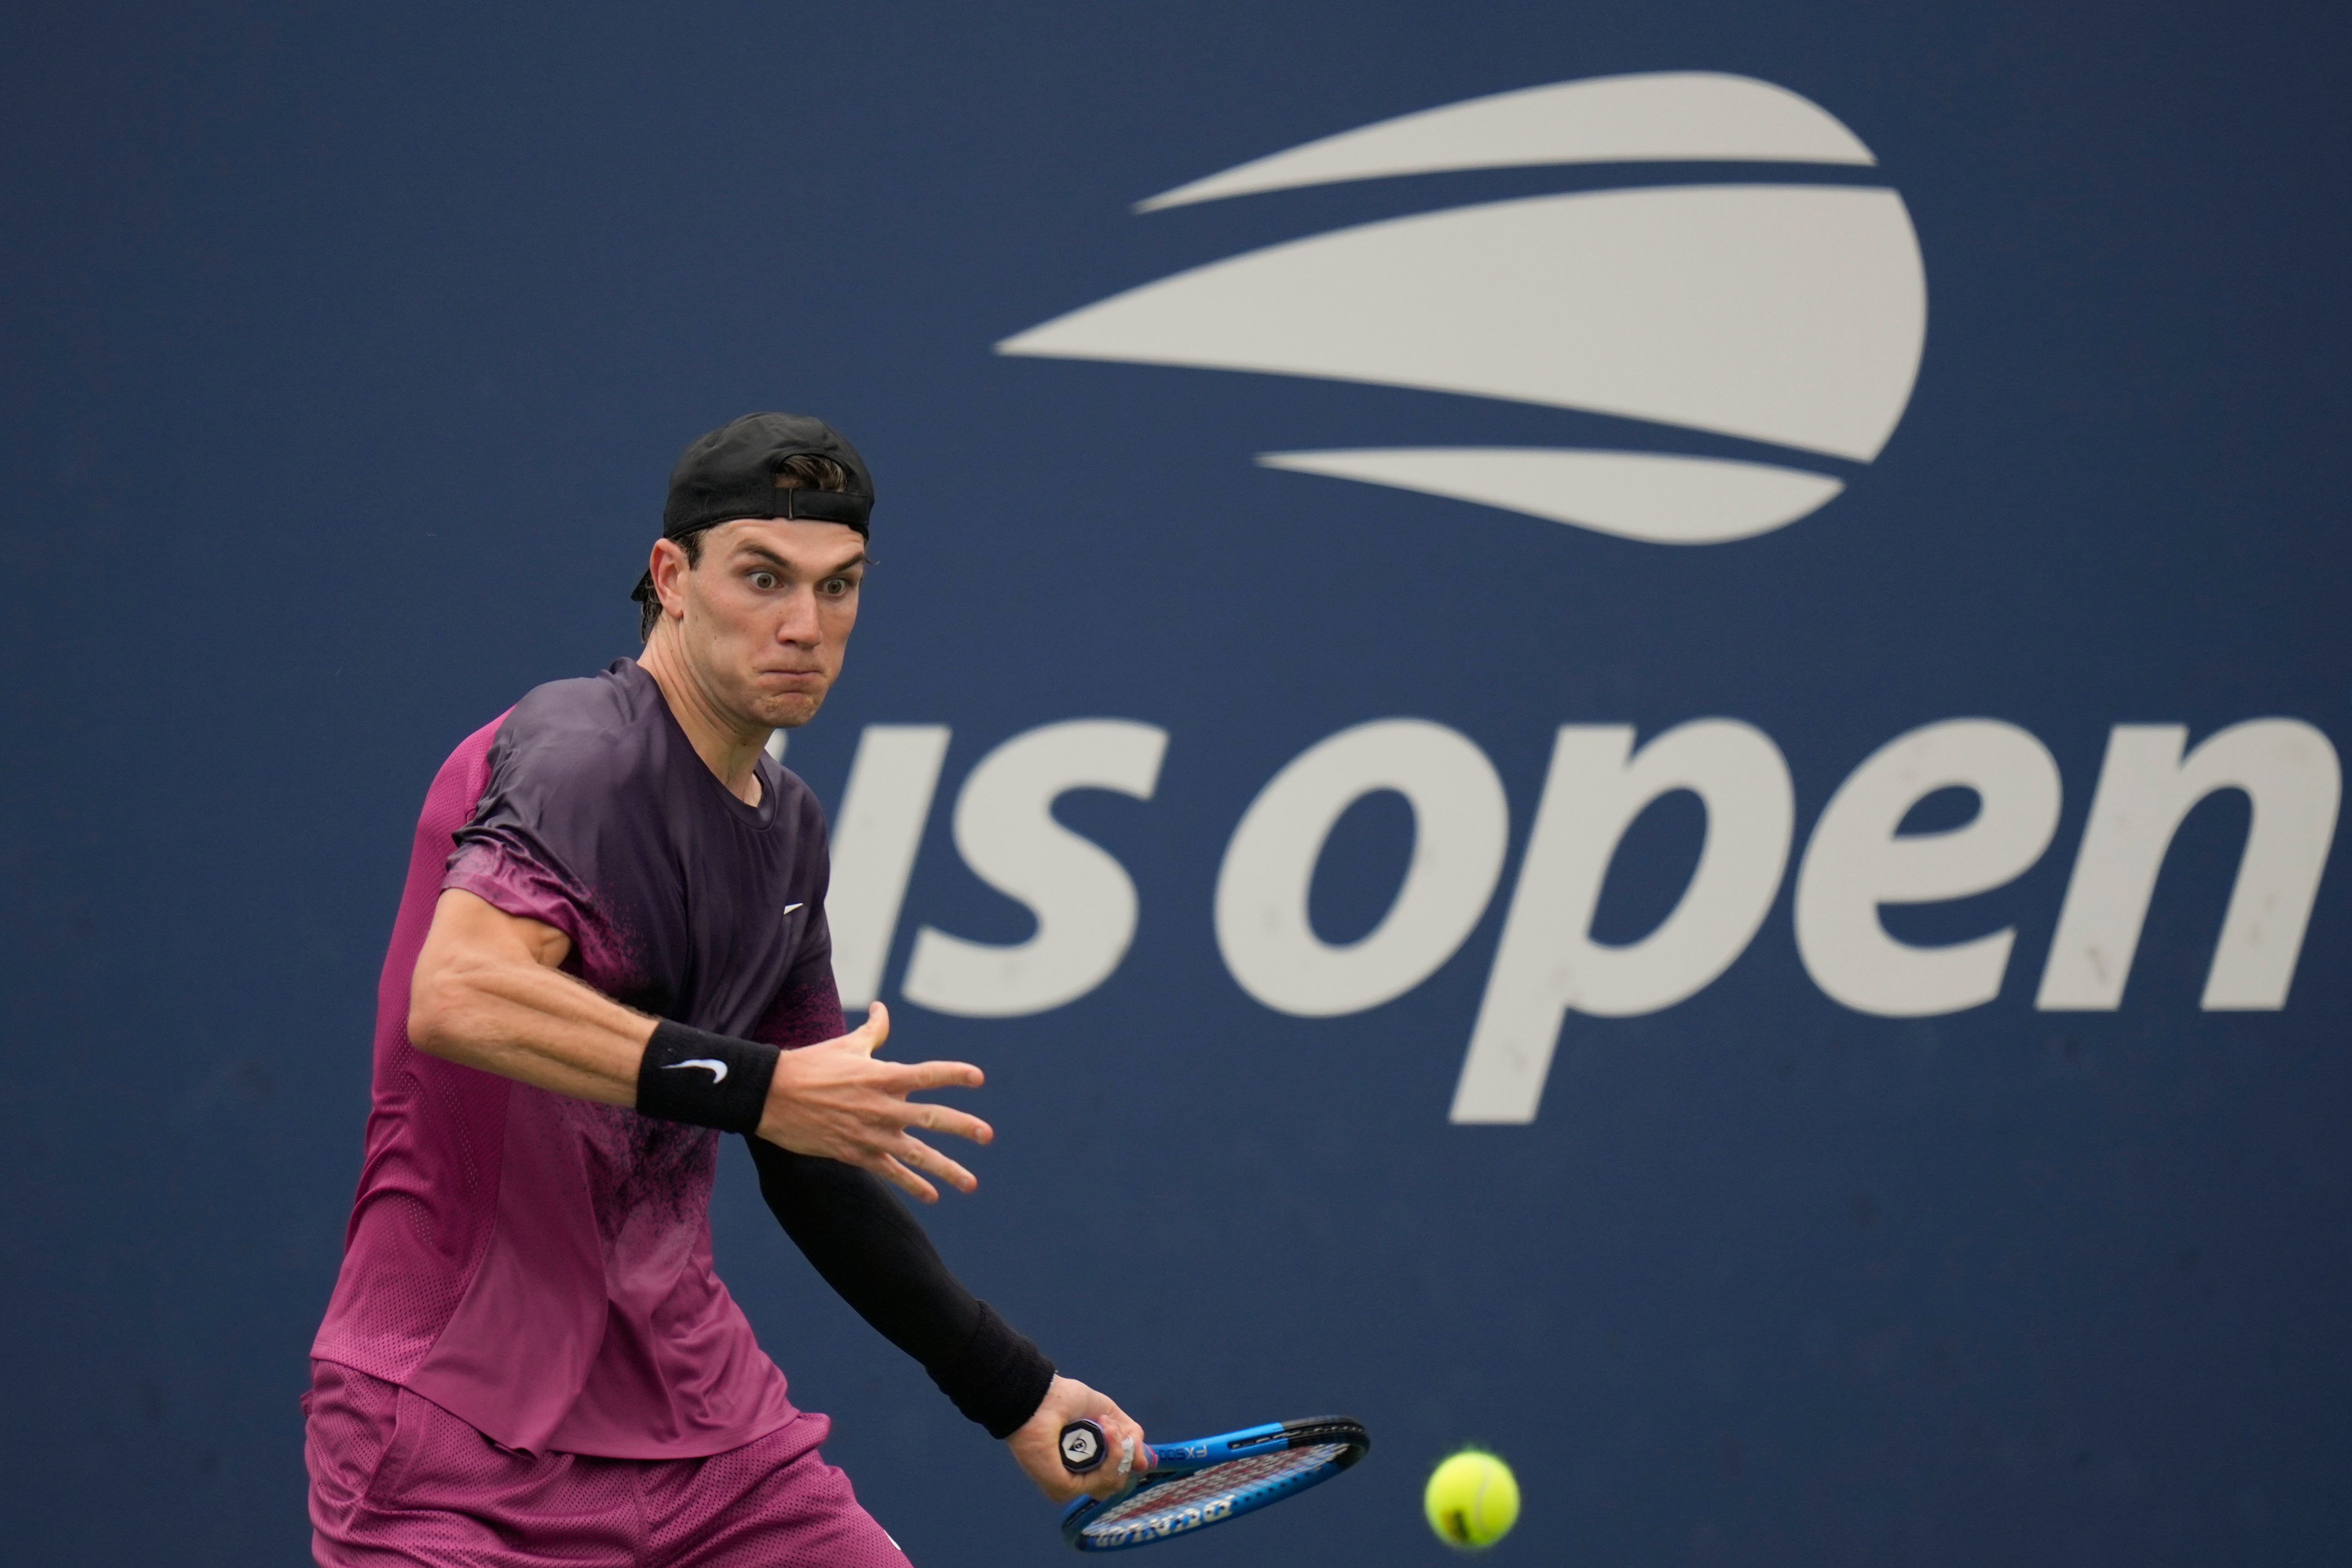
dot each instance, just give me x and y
(489, 992)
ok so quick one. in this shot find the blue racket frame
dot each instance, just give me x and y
(1173, 1461)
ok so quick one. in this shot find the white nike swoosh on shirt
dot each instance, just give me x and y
(717, 1069)
(790, 907)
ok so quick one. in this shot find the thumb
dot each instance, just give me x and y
(869, 1036)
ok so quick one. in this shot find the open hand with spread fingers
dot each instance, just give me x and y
(836, 1099)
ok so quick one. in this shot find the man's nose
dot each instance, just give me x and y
(800, 625)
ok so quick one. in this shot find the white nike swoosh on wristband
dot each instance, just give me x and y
(717, 1069)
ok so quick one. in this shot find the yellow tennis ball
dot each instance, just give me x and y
(1472, 1499)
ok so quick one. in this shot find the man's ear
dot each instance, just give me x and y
(669, 567)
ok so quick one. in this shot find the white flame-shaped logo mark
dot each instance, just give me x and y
(1788, 314)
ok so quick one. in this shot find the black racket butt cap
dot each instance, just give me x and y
(1083, 1446)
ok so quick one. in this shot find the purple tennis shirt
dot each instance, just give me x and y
(540, 1265)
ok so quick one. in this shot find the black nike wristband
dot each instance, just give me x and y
(705, 1080)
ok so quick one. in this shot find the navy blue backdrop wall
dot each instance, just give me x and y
(347, 350)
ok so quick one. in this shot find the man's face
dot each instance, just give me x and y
(766, 613)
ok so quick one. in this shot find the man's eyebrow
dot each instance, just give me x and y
(762, 552)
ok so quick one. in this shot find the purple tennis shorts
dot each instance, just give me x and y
(396, 1479)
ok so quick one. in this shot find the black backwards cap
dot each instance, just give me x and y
(736, 471)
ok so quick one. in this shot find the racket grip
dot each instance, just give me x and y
(1083, 1447)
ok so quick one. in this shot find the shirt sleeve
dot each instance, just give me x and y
(523, 851)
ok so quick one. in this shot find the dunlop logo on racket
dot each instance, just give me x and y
(1204, 1481)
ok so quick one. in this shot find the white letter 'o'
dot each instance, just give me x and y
(1460, 825)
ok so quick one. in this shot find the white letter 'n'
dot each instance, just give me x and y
(2146, 786)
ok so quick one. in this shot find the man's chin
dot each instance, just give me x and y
(789, 711)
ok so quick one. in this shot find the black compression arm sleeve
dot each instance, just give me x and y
(880, 1262)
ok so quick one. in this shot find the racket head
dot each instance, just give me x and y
(1208, 1481)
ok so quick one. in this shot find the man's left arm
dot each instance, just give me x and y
(881, 1261)
(877, 1257)
(878, 1260)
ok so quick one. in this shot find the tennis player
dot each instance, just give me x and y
(611, 948)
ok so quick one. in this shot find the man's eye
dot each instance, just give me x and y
(763, 581)
(835, 587)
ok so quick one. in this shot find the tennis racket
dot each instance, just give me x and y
(1206, 1481)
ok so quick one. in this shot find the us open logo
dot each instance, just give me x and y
(1764, 339)
(1793, 315)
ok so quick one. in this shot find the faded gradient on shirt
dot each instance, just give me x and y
(537, 1265)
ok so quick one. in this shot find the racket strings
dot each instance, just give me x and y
(1233, 1479)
